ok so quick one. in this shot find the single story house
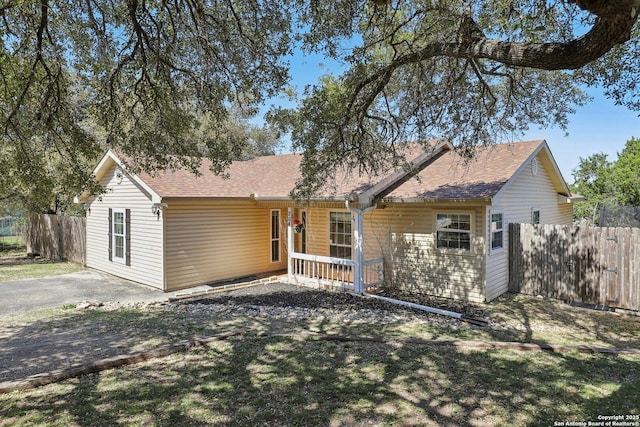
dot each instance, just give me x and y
(439, 230)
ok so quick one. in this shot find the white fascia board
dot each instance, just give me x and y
(543, 146)
(155, 197)
(518, 171)
(556, 170)
(424, 200)
(110, 156)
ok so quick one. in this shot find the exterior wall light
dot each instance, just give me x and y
(156, 208)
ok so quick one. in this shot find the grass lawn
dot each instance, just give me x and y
(15, 265)
(283, 381)
(11, 245)
(35, 270)
(263, 377)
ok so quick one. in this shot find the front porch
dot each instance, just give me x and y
(353, 274)
(331, 272)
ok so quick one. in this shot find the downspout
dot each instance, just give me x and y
(358, 273)
(459, 316)
(417, 306)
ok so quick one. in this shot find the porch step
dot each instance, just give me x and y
(224, 288)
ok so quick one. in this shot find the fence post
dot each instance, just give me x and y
(61, 251)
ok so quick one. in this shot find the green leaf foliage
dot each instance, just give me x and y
(592, 180)
(153, 80)
(158, 80)
(601, 181)
(626, 174)
(423, 70)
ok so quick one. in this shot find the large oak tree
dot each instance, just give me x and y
(77, 76)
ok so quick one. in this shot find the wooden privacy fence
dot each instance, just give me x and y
(576, 263)
(57, 237)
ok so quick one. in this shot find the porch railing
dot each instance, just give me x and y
(373, 272)
(334, 272)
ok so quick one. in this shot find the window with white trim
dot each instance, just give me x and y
(275, 235)
(340, 230)
(497, 231)
(453, 231)
(535, 216)
(119, 239)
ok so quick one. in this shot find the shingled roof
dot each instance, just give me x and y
(450, 176)
(272, 176)
(444, 176)
(268, 177)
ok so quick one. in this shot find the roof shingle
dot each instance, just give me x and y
(272, 176)
(446, 176)
(450, 176)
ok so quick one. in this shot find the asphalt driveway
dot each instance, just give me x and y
(73, 288)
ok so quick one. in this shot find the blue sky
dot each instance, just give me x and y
(598, 127)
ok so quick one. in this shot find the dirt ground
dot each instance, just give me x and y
(303, 297)
(21, 259)
(76, 337)
(71, 337)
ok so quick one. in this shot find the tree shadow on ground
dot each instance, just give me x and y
(77, 337)
(536, 315)
(21, 258)
(263, 379)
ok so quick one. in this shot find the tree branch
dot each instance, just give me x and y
(613, 26)
(571, 55)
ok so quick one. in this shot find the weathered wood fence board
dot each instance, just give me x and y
(588, 264)
(57, 237)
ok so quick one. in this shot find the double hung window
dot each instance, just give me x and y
(340, 230)
(453, 231)
(119, 235)
(497, 231)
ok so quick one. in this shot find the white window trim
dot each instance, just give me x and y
(496, 211)
(471, 231)
(114, 257)
(534, 209)
(274, 239)
(329, 233)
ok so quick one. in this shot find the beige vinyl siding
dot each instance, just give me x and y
(317, 228)
(526, 192)
(146, 232)
(209, 241)
(564, 214)
(406, 235)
